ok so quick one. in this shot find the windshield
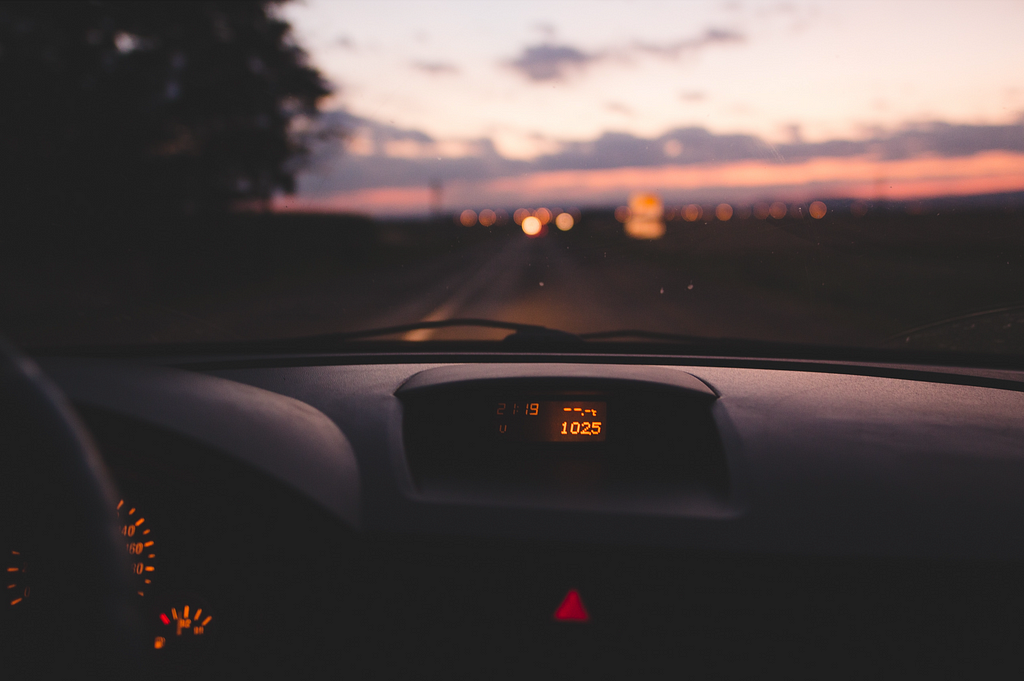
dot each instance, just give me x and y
(814, 174)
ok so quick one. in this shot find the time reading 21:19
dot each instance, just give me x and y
(550, 421)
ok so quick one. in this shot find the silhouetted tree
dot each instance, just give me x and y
(114, 110)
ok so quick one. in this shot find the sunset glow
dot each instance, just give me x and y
(863, 177)
(506, 104)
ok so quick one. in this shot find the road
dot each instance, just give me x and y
(802, 283)
(574, 287)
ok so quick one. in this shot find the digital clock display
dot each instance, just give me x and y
(550, 421)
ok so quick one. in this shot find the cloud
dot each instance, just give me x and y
(856, 177)
(690, 145)
(672, 148)
(436, 68)
(376, 154)
(989, 172)
(381, 156)
(550, 62)
(936, 138)
(710, 37)
(692, 96)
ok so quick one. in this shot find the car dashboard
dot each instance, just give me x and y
(549, 517)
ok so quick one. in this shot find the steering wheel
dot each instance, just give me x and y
(57, 521)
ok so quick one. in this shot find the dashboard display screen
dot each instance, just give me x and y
(550, 421)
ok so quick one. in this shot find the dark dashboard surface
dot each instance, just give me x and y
(736, 521)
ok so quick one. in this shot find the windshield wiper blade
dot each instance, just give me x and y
(645, 335)
(1012, 309)
(519, 331)
(522, 334)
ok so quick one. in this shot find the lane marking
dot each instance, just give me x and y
(474, 284)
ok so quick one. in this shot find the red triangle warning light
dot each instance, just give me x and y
(571, 609)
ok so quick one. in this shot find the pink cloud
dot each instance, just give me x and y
(375, 201)
(864, 177)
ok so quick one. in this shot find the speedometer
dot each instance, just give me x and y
(18, 588)
(140, 544)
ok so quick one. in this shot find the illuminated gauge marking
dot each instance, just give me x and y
(140, 544)
(551, 421)
(188, 621)
(16, 579)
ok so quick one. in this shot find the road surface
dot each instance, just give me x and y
(752, 280)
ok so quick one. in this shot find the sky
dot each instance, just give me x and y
(482, 95)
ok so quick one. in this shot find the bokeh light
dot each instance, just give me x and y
(564, 222)
(646, 213)
(531, 226)
(520, 215)
(542, 214)
(761, 211)
(777, 210)
(468, 218)
(817, 209)
(622, 213)
(488, 217)
(692, 212)
(859, 209)
(723, 212)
